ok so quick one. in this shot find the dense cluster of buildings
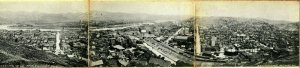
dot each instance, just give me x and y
(112, 47)
(126, 47)
(247, 43)
(184, 41)
(118, 50)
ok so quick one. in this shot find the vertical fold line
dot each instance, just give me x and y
(299, 35)
(196, 46)
(88, 14)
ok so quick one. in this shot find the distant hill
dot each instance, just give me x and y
(286, 25)
(221, 21)
(37, 17)
(216, 20)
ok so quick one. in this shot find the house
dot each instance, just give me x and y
(130, 49)
(140, 62)
(124, 62)
(149, 35)
(181, 38)
(93, 52)
(48, 48)
(97, 63)
(109, 57)
(119, 47)
(159, 38)
(71, 56)
(93, 47)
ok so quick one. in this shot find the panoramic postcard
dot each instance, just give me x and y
(149, 33)
(43, 33)
(247, 33)
(141, 34)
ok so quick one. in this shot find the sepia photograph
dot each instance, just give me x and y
(247, 33)
(141, 34)
(43, 33)
(149, 33)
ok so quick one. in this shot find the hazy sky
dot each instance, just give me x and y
(47, 6)
(172, 7)
(274, 10)
(148, 7)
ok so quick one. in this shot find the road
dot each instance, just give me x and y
(167, 51)
(170, 38)
(163, 49)
(175, 34)
(153, 48)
